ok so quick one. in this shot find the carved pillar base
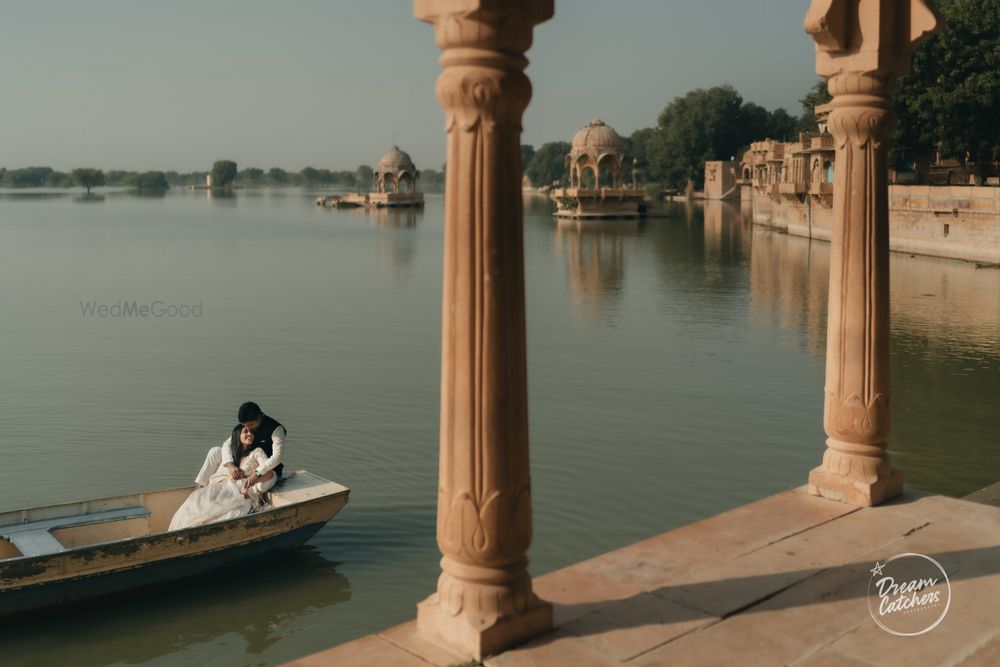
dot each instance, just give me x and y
(858, 479)
(479, 637)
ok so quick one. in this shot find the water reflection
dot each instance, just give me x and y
(252, 605)
(789, 282)
(77, 195)
(221, 197)
(703, 249)
(946, 301)
(727, 231)
(92, 198)
(945, 322)
(594, 251)
(948, 304)
(38, 194)
(397, 245)
(394, 217)
(536, 204)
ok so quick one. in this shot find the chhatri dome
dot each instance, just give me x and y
(395, 172)
(596, 148)
(598, 135)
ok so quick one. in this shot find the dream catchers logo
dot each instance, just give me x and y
(909, 594)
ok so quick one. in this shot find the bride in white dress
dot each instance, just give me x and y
(224, 497)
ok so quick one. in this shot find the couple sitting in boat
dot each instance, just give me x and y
(235, 476)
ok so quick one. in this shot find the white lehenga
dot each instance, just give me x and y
(221, 499)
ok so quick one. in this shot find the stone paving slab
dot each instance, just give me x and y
(626, 629)
(556, 648)
(830, 658)
(405, 636)
(647, 565)
(987, 654)
(781, 581)
(723, 589)
(370, 650)
(970, 623)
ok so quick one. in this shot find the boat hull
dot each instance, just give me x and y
(76, 589)
(31, 583)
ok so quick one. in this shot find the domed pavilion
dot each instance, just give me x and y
(596, 150)
(596, 169)
(396, 181)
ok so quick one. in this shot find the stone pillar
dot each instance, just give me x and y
(484, 601)
(862, 47)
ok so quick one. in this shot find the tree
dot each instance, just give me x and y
(712, 124)
(115, 177)
(251, 175)
(781, 125)
(527, 152)
(58, 179)
(702, 125)
(637, 149)
(150, 181)
(28, 177)
(277, 176)
(816, 96)
(547, 164)
(363, 176)
(87, 177)
(949, 101)
(763, 124)
(431, 178)
(310, 175)
(223, 173)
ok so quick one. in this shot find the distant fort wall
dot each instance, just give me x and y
(790, 187)
(954, 221)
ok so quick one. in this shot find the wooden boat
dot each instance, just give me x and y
(63, 553)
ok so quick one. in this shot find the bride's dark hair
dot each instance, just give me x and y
(236, 447)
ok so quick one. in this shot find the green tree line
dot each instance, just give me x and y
(224, 173)
(704, 124)
(948, 105)
(87, 177)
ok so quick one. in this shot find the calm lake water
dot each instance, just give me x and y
(675, 368)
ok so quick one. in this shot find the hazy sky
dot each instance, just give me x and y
(154, 84)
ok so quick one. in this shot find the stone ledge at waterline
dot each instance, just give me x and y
(956, 221)
(782, 580)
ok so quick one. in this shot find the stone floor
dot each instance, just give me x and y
(781, 581)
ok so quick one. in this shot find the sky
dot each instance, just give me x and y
(148, 84)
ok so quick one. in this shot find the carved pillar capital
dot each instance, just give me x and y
(868, 36)
(484, 601)
(497, 25)
(483, 44)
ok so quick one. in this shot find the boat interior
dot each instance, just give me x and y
(55, 528)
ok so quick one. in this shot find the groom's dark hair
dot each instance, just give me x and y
(248, 412)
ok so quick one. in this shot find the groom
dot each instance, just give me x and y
(269, 435)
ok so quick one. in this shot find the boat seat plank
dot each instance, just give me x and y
(36, 543)
(32, 538)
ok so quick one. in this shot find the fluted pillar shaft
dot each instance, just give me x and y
(863, 46)
(484, 601)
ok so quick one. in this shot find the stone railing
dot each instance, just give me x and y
(820, 142)
(945, 199)
(792, 188)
